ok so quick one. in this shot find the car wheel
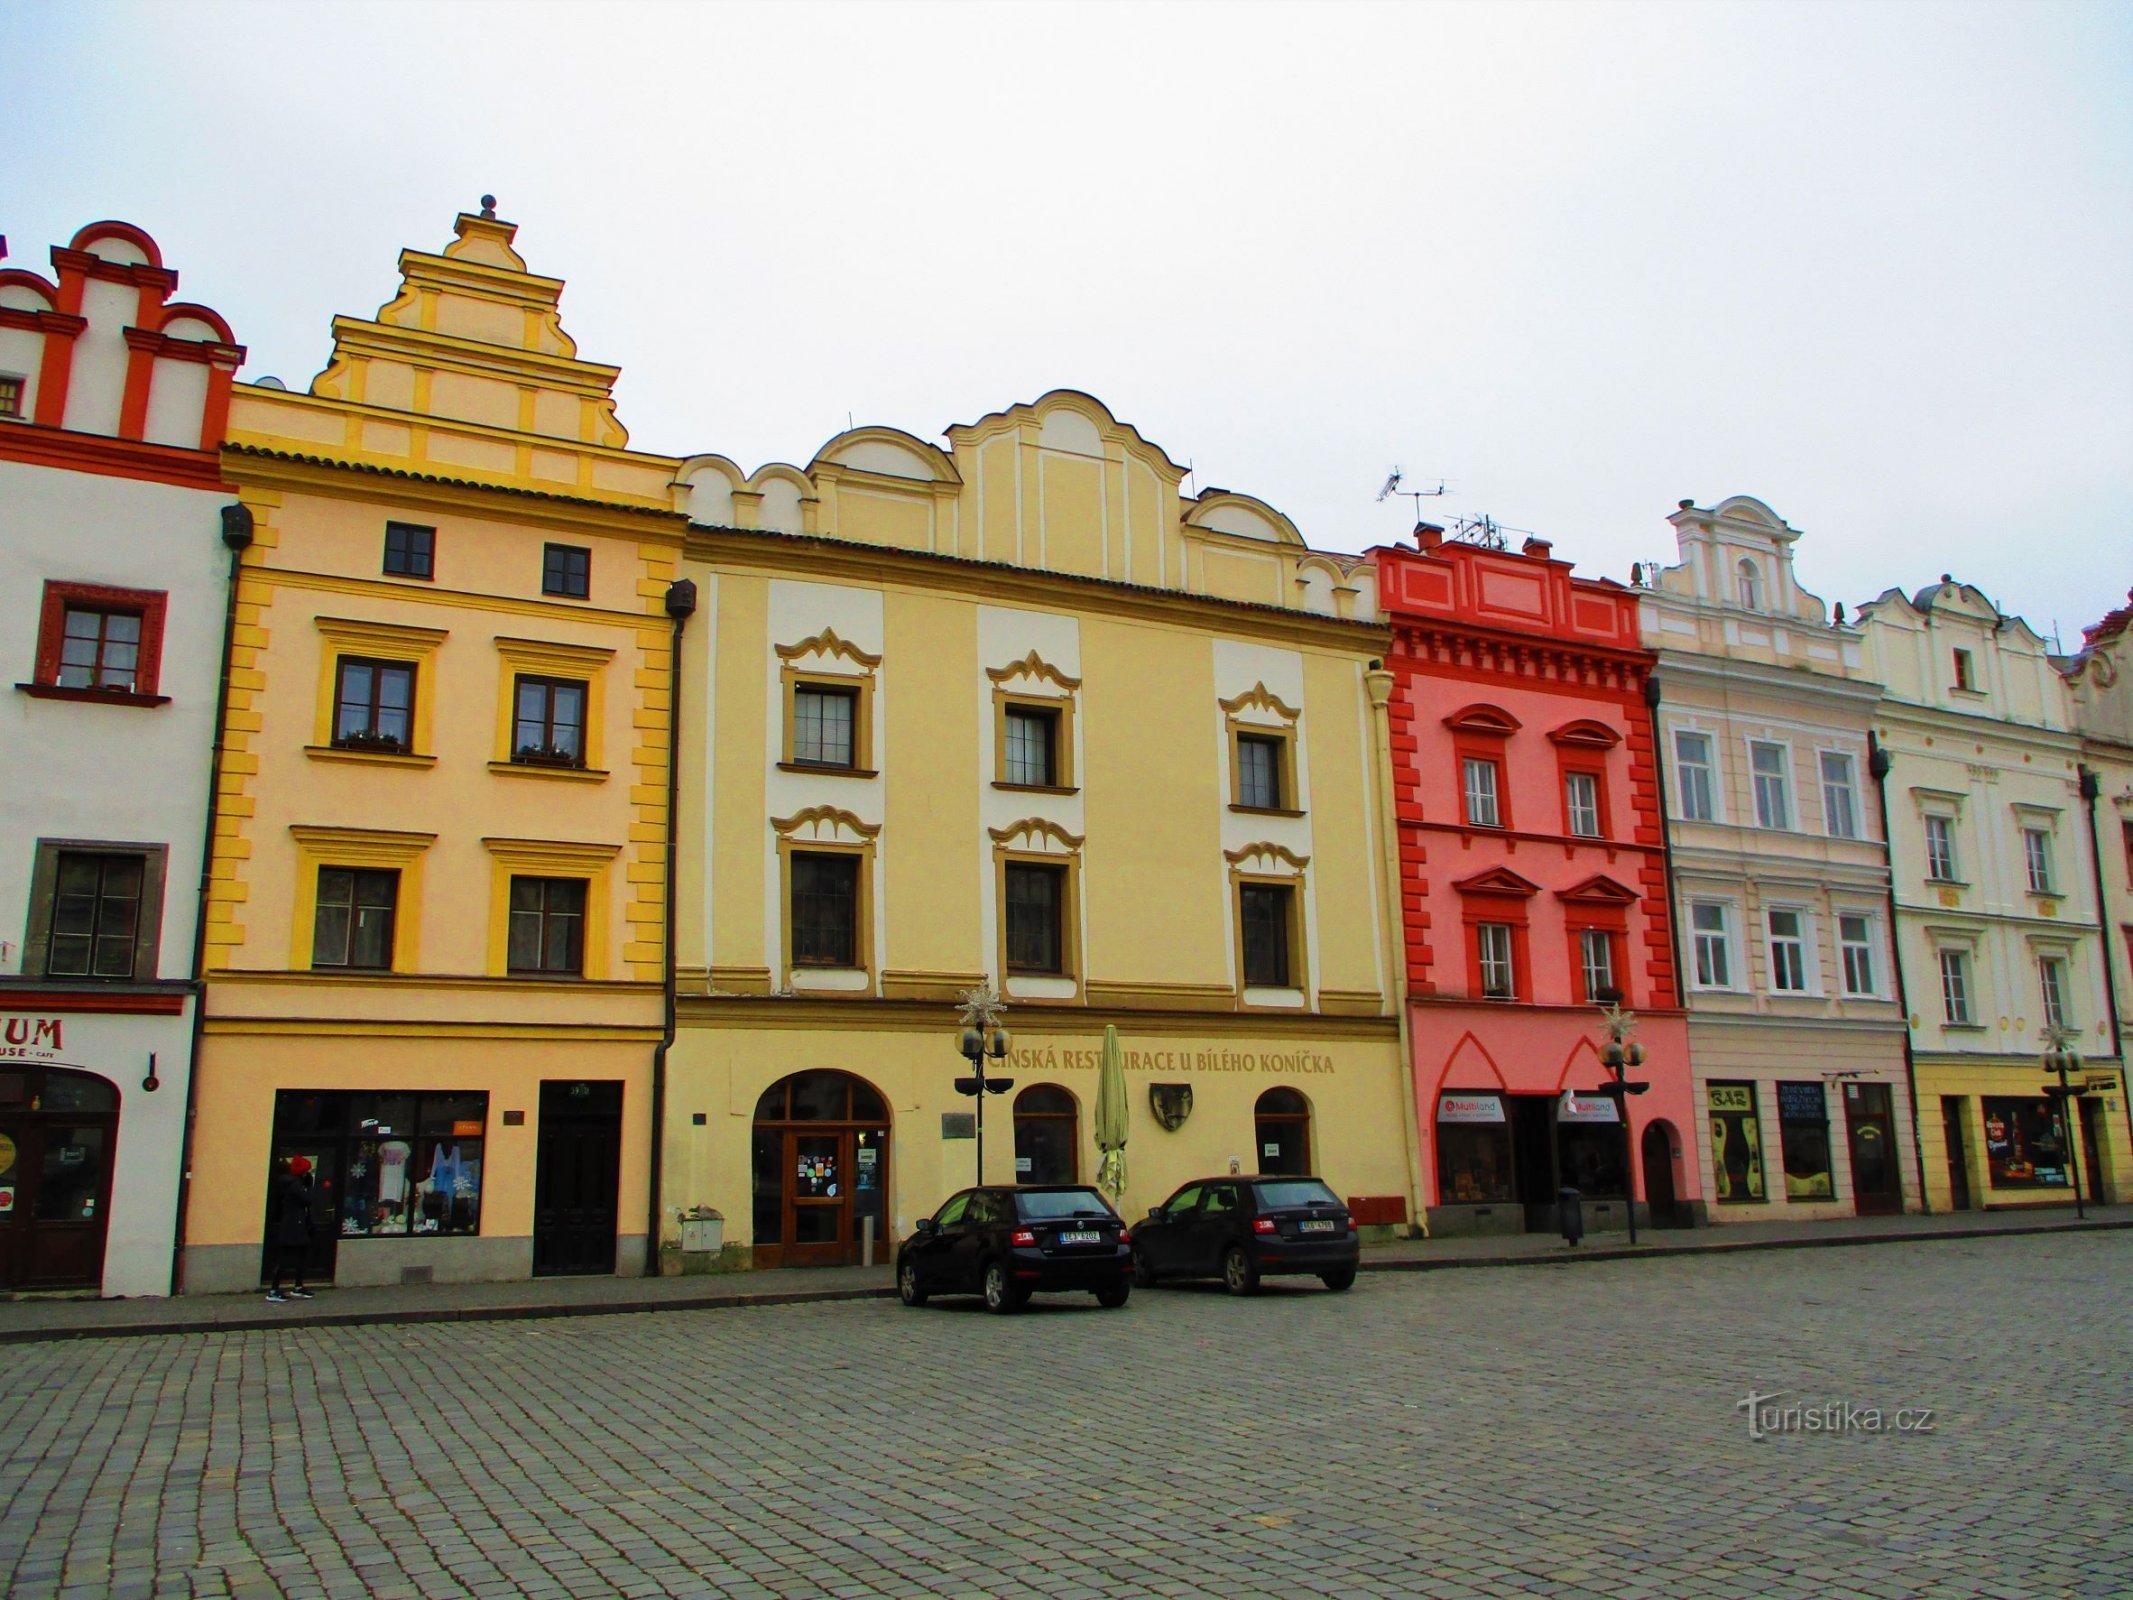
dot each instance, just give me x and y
(1001, 1295)
(1113, 1295)
(1239, 1276)
(908, 1289)
(1143, 1268)
(1337, 1281)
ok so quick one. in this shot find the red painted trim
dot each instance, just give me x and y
(51, 629)
(1587, 733)
(20, 278)
(62, 1001)
(58, 367)
(215, 413)
(207, 314)
(40, 445)
(1489, 748)
(140, 373)
(81, 265)
(101, 697)
(1483, 721)
(112, 228)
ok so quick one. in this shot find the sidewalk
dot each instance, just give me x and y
(35, 1319)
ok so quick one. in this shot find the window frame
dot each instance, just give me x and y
(1572, 778)
(1058, 710)
(550, 683)
(386, 644)
(1469, 767)
(1957, 986)
(1282, 739)
(150, 606)
(1503, 956)
(415, 536)
(581, 918)
(1611, 987)
(2038, 867)
(14, 392)
(1866, 946)
(855, 863)
(1728, 956)
(1965, 666)
(2054, 986)
(354, 907)
(1782, 779)
(1943, 864)
(154, 861)
(1707, 771)
(860, 686)
(1059, 872)
(374, 741)
(1848, 790)
(552, 858)
(820, 695)
(563, 565)
(1290, 924)
(1801, 943)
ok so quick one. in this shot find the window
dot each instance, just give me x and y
(548, 728)
(1499, 981)
(1963, 678)
(1773, 785)
(1482, 810)
(547, 925)
(1032, 746)
(10, 395)
(825, 909)
(1751, 585)
(1940, 849)
(2037, 857)
(100, 649)
(1736, 1142)
(410, 550)
(566, 570)
(93, 640)
(2025, 1144)
(1855, 940)
(1840, 803)
(1788, 950)
(822, 726)
(1714, 950)
(1955, 987)
(389, 1165)
(1803, 1136)
(2126, 834)
(1473, 1150)
(353, 924)
(2051, 979)
(1692, 776)
(1035, 898)
(1259, 772)
(1596, 954)
(1264, 910)
(96, 916)
(373, 705)
(1581, 800)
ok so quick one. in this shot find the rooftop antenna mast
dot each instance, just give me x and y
(1393, 486)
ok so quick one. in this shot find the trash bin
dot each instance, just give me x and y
(1570, 1215)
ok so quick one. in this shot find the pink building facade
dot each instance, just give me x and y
(1533, 891)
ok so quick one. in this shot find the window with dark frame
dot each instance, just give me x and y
(566, 570)
(1259, 772)
(825, 909)
(373, 705)
(1036, 901)
(410, 550)
(1264, 911)
(549, 722)
(96, 911)
(100, 648)
(822, 726)
(1032, 747)
(353, 924)
(10, 395)
(547, 926)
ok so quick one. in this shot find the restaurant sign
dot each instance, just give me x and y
(24, 1038)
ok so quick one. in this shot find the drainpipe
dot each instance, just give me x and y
(681, 605)
(1653, 693)
(1379, 683)
(2091, 788)
(1878, 763)
(237, 538)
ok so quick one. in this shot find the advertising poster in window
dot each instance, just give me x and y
(1803, 1130)
(1473, 1150)
(1736, 1142)
(2025, 1144)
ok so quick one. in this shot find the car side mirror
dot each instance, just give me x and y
(1156, 1214)
(926, 1225)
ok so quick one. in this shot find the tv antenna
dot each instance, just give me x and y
(1485, 531)
(1395, 479)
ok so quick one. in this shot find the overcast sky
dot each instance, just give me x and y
(1871, 263)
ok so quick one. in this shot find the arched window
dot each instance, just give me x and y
(1282, 1125)
(1047, 1135)
(1751, 585)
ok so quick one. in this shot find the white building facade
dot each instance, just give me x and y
(114, 585)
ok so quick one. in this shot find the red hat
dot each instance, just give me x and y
(300, 1165)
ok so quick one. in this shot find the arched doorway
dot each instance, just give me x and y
(1047, 1135)
(1282, 1127)
(1657, 1151)
(821, 1171)
(58, 1132)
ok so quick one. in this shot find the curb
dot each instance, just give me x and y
(796, 1297)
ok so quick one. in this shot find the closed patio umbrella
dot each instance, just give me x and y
(1111, 1115)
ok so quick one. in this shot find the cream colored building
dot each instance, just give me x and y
(2099, 683)
(1015, 709)
(1781, 877)
(1997, 920)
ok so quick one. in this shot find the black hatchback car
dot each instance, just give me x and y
(1245, 1229)
(1009, 1243)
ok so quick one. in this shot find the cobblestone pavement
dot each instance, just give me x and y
(1498, 1432)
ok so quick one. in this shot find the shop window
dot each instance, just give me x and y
(353, 922)
(1031, 747)
(97, 642)
(373, 705)
(1840, 795)
(1693, 777)
(1940, 849)
(1036, 901)
(96, 911)
(1955, 988)
(1591, 1156)
(1282, 1122)
(1473, 1150)
(1736, 1142)
(2037, 860)
(1788, 950)
(390, 1165)
(547, 934)
(2025, 1144)
(1481, 782)
(566, 571)
(1047, 1139)
(1264, 913)
(1714, 944)
(2051, 982)
(1803, 1137)
(825, 909)
(410, 550)
(1493, 950)
(1855, 942)
(1770, 766)
(549, 725)
(1596, 958)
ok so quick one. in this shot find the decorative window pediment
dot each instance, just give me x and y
(1030, 674)
(829, 646)
(1259, 703)
(1599, 890)
(1264, 856)
(820, 824)
(1483, 721)
(1036, 834)
(1498, 881)
(1586, 734)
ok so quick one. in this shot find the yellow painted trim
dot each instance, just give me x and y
(787, 826)
(937, 987)
(453, 599)
(359, 847)
(341, 1027)
(378, 641)
(1259, 698)
(541, 659)
(550, 858)
(1036, 668)
(829, 1013)
(827, 643)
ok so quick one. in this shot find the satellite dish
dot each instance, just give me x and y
(269, 382)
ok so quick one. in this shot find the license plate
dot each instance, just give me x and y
(1080, 1236)
(1316, 1226)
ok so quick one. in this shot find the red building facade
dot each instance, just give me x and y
(1533, 890)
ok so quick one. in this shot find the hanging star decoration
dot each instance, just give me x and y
(2058, 1036)
(982, 1007)
(1621, 1023)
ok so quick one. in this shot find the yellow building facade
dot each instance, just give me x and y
(1016, 710)
(436, 938)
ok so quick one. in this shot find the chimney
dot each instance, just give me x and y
(1428, 536)
(1536, 547)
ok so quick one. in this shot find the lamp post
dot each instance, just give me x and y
(982, 1037)
(1618, 1055)
(2062, 1058)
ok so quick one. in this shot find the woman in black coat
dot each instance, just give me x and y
(292, 1230)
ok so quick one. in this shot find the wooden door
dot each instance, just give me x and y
(1951, 1122)
(818, 1198)
(1877, 1188)
(577, 1179)
(55, 1197)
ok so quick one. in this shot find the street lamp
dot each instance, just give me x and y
(1618, 1055)
(2061, 1057)
(982, 1037)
